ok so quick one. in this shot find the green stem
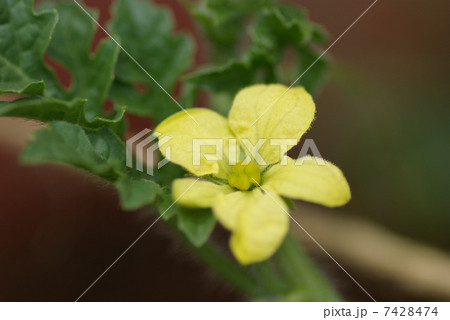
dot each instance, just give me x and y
(221, 264)
(229, 270)
(289, 276)
(274, 286)
(307, 281)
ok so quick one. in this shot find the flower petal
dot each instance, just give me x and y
(260, 227)
(283, 115)
(226, 207)
(200, 194)
(311, 179)
(182, 131)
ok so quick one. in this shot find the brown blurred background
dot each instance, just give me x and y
(382, 118)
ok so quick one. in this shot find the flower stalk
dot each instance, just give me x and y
(290, 275)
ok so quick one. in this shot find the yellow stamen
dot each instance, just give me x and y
(244, 176)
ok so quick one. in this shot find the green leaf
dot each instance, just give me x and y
(50, 109)
(196, 224)
(146, 32)
(229, 77)
(25, 37)
(108, 146)
(255, 66)
(188, 95)
(224, 20)
(279, 26)
(98, 151)
(136, 192)
(287, 26)
(274, 30)
(166, 206)
(312, 78)
(92, 74)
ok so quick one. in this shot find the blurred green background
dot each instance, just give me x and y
(384, 116)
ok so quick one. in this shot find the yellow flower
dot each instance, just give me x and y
(246, 196)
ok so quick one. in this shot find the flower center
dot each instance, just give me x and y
(244, 176)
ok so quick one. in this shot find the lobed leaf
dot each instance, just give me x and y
(25, 37)
(92, 74)
(146, 33)
(98, 151)
(50, 109)
(273, 31)
(230, 77)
